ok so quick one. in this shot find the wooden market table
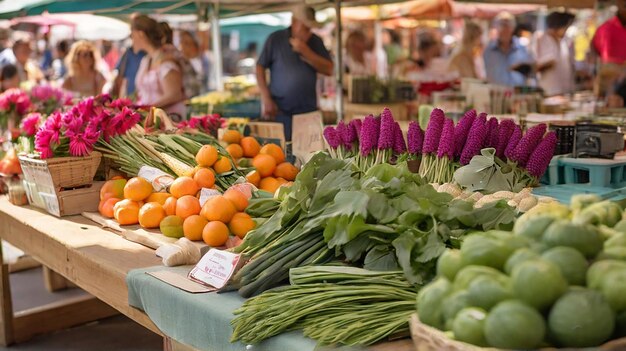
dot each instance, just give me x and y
(94, 259)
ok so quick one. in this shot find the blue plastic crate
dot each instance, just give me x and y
(564, 192)
(555, 174)
(594, 172)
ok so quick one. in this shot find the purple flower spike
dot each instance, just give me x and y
(356, 125)
(387, 130)
(369, 134)
(475, 140)
(342, 133)
(433, 131)
(513, 141)
(461, 131)
(528, 143)
(504, 133)
(399, 145)
(541, 157)
(492, 134)
(332, 137)
(415, 138)
(446, 142)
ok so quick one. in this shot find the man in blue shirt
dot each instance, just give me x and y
(127, 68)
(294, 57)
(505, 55)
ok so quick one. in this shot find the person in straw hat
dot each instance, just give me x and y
(294, 56)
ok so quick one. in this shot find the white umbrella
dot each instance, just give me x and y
(92, 27)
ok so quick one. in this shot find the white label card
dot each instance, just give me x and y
(215, 268)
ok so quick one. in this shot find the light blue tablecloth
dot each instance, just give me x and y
(199, 320)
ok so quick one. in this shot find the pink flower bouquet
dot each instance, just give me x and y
(14, 103)
(48, 99)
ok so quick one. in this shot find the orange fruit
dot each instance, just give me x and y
(231, 136)
(106, 207)
(151, 214)
(159, 198)
(222, 165)
(254, 178)
(184, 186)
(204, 177)
(237, 198)
(137, 189)
(126, 212)
(206, 156)
(250, 146)
(172, 226)
(241, 224)
(235, 151)
(187, 205)
(218, 208)
(170, 206)
(113, 188)
(193, 226)
(281, 181)
(275, 151)
(286, 170)
(264, 164)
(215, 234)
(269, 184)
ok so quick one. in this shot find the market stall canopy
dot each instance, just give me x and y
(579, 4)
(92, 27)
(33, 22)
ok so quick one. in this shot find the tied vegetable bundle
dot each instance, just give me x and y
(388, 219)
(330, 304)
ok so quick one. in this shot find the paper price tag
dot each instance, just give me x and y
(52, 204)
(159, 179)
(215, 268)
(206, 194)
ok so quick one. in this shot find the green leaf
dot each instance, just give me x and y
(380, 258)
(355, 249)
(433, 249)
(404, 245)
(495, 215)
(378, 206)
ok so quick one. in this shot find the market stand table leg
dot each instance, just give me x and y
(92, 258)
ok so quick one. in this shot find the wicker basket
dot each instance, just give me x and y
(426, 338)
(64, 172)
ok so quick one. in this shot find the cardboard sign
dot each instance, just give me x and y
(215, 268)
(307, 134)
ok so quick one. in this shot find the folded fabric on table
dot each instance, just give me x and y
(199, 320)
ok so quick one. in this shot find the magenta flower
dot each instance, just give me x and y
(332, 137)
(369, 134)
(43, 141)
(30, 123)
(341, 130)
(513, 141)
(356, 125)
(475, 140)
(542, 155)
(81, 144)
(415, 138)
(399, 145)
(433, 131)
(446, 142)
(528, 143)
(121, 102)
(492, 133)
(387, 130)
(504, 133)
(15, 100)
(462, 130)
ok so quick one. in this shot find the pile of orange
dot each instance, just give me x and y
(178, 213)
(271, 169)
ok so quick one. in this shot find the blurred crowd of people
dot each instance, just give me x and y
(150, 68)
(503, 52)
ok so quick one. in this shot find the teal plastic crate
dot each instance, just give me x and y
(594, 172)
(564, 192)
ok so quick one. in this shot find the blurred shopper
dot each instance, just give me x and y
(393, 47)
(506, 60)
(609, 41)
(19, 55)
(190, 49)
(191, 80)
(555, 60)
(9, 78)
(44, 51)
(358, 61)
(59, 70)
(159, 80)
(83, 78)
(294, 57)
(466, 57)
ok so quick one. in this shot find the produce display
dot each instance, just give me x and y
(557, 279)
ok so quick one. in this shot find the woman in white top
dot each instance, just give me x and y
(358, 61)
(83, 78)
(466, 57)
(159, 80)
(555, 60)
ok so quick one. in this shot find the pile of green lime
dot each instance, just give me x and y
(559, 279)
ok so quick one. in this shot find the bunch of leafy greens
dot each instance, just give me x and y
(385, 220)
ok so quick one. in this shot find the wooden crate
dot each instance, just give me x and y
(268, 130)
(65, 202)
(426, 338)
